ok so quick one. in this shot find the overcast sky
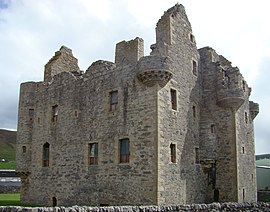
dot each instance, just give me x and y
(31, 31)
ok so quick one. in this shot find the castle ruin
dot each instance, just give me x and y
(172, 127)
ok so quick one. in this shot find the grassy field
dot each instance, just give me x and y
(13, 200)
(7, 149)
(8, 165)
(10, 200)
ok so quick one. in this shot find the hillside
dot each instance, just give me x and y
(7, 144)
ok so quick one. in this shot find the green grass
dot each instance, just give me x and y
(8, 165)
(13, 200)
(7, 152)
(10, 199)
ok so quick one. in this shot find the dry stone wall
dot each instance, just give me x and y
(214, 207)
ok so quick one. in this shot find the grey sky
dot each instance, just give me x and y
(31, 31)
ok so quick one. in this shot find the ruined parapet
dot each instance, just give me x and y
(129, 51)
(253, 109)
(62, 61)
(173, 29)
(154, 70)
(164, 29)
(98, 68)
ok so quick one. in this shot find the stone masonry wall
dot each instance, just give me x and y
(84, 117)
(228, 124)
(181, 181)
(9, 189)
(184, 112)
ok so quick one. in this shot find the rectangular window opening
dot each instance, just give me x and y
(46, 155)
(93, 154)
(174, 99)
(191, 37)
(54, 113)
(213, 128)
(31, 114)
(246, 117)
(173, 153)
(194, 67)
(194, 111)
(24, 149)
(113, 100)
(124, 150)
(197, 155)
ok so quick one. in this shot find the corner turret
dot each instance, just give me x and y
(230, 92)
(253, 109)
(154, 70)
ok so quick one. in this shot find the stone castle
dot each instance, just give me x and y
(169, 128)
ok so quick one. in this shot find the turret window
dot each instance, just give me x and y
(174, 99)
(191, 38)
(194, 67)
(246, 117)
(194, 111)
(173, 153)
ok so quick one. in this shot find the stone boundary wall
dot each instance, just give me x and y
(9, 189)
(264, 196)
(261, 206)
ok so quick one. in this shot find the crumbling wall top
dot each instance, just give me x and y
(62, 61)
(129, 51)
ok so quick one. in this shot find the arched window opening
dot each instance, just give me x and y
(54, 201)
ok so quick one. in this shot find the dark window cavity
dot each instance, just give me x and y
(124, 150)
(197, 155)
(194, 67)
(113, 100)
(31, 114)
(174, 99)
(246, 117)
(46, 154)
(93, 154)
(54, 113)
(213, 128)
(194, 111)
(173, 153)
